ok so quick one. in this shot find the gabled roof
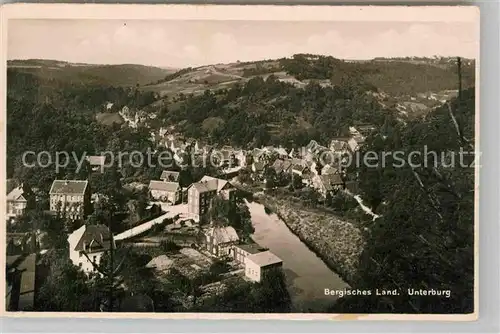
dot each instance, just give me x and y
(68, 187)
(211, 181)
(17, 194)
(281, 151)
(96, 160)
(97, 235)
(338, 145)
(300, 162)
(163, 186)
(329, 169)
(257, 152)
(223, 235)
(330, 180)
(251, 248)
(281, 165)
(298, 167)
(168, 174)
(259, 166)
(205, 186)
(335, 179)
(264, 259)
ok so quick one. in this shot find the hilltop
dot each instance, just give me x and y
(80, 73)
(394, 76)
(411, 85)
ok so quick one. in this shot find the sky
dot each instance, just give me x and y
(178, 44)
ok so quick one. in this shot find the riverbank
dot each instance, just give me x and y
(338, 243)
(306, 274)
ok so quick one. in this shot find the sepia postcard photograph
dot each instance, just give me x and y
(253, 162)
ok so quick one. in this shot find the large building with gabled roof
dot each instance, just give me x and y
(200, 195)
(87, 245)
(70, 198)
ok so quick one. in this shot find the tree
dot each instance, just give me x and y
(65, 289)
(270, 177)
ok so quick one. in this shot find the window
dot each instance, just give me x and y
(94, 259)
(80, 264)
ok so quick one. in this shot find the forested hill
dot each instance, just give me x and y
(109, 75)
(425, 236)
(396, 77)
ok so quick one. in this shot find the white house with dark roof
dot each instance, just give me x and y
(242, 251)
(96, 162)
(18, 200)
(259, 264)
(70, 198)
(169, 176)
(220, 240)
(92, 240)
(165, 191)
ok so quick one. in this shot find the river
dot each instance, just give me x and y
(306, 274)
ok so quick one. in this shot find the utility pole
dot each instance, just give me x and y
(111, 266)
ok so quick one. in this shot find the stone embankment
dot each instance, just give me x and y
(337, 242)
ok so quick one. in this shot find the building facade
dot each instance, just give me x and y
(221, 240)
(87, 246)
(241, 252)
(258, 265)
(70, 198)
(200, 195)
(165, 191)
(18, 200)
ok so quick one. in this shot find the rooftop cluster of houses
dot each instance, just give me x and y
(257, 261)
(317, 166)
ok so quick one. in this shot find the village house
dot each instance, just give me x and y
(300, 167)
(329, 169)
(181, 158)
(258, 169)
(326, 184)
(241, 158)
(339, 145)
(356, 142)
(259, 265)
(241, 252)
(92, 240)
(353, 131)
(200, 195)
(165, 191)
(282, 166)
(226, 157)
(70, 198)
(18, 200)
(221, 240)
(96, 162)
(281, 152)
(258, 155)
(174, 145)
(366, 129)
(169, 176)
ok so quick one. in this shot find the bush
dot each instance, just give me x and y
(169, 246)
